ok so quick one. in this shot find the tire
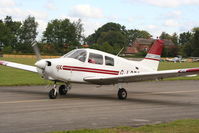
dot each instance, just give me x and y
(122, 94)
(63, 90)
(52, 94)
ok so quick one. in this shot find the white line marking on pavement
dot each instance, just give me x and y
(168, 92)
(31, 101)
(140, 120)
(24, 101)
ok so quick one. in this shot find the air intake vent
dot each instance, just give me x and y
(48, 63)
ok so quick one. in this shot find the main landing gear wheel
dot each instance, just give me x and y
(53, 94)
(122, 94)
(63, 90)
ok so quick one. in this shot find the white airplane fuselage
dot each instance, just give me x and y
(73, 70)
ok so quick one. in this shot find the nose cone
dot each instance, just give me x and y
(41, 64)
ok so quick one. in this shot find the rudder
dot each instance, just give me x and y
(152, 58)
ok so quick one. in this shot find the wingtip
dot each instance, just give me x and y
(189, 70)
(1, 62)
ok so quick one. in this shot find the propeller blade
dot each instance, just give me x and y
(37, 52)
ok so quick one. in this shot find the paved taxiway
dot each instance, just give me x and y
(28, 109)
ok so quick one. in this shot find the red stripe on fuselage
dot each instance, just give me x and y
(89, 71)
(86, 68)
(93, 70)
(152, 59)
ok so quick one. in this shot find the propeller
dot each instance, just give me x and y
(41, 63)
(36, 50)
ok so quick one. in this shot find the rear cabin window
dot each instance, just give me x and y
(109, 61)
(95, 59)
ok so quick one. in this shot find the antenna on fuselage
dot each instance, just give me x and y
(120, 51)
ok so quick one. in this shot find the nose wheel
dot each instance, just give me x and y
(122, 94)
(52, 93)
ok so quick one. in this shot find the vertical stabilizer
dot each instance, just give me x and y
(152, 59)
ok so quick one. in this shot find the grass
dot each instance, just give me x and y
(179, 126)
(12, 77)
(171, 65)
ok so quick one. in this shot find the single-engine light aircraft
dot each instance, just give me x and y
(96, 67)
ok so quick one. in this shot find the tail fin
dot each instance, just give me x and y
(152, 59)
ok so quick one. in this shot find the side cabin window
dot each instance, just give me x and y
(109, 61)
(95, 59)
(77, 54)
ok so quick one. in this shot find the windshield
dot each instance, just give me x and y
(76, 54)
(68, 54)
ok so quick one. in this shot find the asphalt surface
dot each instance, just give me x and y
(27, 109)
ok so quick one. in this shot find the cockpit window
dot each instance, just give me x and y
(77, 54)
(68, 54)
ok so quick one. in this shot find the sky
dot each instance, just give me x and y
(154, 16)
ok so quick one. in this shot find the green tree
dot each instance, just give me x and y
(133, 34)
(27, 35)
(112, 35)
(108, 27)
(195, 44)
(63, 34)
(95, 46)
(174, 38)
(165, 35)
(185, 38)
(113, 38)
(4, 35)
(106, 47)
(165, 52)
(186, 50)
(195, 29)
(14, 29)
(170, 51)
(79, 30)
(7, 49)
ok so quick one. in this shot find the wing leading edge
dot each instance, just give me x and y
(142, 76)
(19, 66)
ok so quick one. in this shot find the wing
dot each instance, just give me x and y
(142, 76)
(19, 66)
